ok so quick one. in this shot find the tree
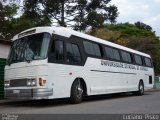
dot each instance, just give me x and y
(22, 23)
(57, 10)
(131, 36)
(79, 14)
(94, 13)
(144, 26)
(80, 21)
(6, 16)
(33, 13)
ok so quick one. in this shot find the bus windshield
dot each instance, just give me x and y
(29, 48)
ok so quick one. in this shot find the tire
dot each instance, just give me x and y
(76, 92)
(140, 91)
(141, 88)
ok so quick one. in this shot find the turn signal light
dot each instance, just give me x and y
(42, 82)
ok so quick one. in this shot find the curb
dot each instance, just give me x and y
(153, 90)
(5, 101)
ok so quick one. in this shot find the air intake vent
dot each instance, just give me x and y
(150, 79)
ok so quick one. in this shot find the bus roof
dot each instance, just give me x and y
(68, 32)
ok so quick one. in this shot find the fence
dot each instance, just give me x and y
(157, 82)
(2, 65)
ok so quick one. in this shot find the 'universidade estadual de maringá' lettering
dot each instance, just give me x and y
(122, 65)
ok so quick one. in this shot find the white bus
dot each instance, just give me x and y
(56, 62)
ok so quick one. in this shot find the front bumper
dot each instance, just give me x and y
(36, 93)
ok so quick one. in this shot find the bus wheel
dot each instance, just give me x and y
(141, 88)
(76, 92)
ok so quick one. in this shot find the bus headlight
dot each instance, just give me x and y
(6, 83)
(31, 82)
(28, 83)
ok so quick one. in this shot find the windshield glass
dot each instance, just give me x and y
(29, 48)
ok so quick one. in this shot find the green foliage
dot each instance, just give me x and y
(11, 25)
(19, 24)
(143, 26)
(82, 13)
(94, 13)
(134, 37)
(6, 16)
(127, 29)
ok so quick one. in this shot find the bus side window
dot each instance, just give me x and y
(73, 54)
(92, 48)
(112, 53)
(148, 62)
(56, 53)
(138, 59)
(126, 56)
(59, 50)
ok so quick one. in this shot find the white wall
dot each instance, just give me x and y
(4, 50)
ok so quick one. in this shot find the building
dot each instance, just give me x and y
(4, 51)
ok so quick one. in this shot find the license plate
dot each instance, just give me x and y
(16, 91)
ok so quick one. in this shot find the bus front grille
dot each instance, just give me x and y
(18, 82)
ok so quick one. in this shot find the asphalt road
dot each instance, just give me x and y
(108, 104)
